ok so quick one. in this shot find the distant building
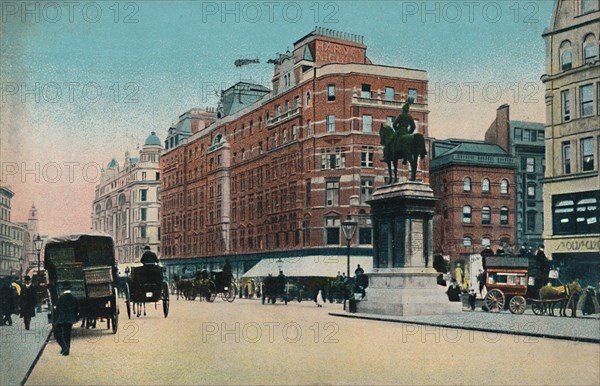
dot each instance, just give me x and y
(572, 183)
(525, 142)
(279, 170)
(127, 202)
(189, 123)
(475, 184)
(12, 236)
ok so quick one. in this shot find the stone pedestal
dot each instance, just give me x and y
(401, 282)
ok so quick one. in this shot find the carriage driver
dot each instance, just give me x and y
(149, 257)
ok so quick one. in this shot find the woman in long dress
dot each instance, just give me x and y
(319, 298)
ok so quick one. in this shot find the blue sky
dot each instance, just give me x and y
(105, 79)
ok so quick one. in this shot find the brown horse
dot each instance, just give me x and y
(564, 294)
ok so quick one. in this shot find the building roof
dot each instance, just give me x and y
(113, 164)
(527, 125)
(153, 140)
(469, 152)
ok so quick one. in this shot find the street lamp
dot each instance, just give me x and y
(37, 243)
(349, 227)
(279, 263)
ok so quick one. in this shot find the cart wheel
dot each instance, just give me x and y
(232, 292)
(165, 299)
(128, 300)
(517, 305)
(211, 291)
(494, 300)
(115, 311)
(537, 308)
(50, 307)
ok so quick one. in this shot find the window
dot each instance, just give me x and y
(467, 184)
(590, 52)
(587, 100)
(467, 241)
(294, 133)
(466, 214)
(143, 194)
(486, 241)
(576, 213)
(566, 154)
(333, 192)
(541, 137)
(530, 165)
(366, 189)
(485, 185)
(565, 105)
(330, 123)
(332, 231)
(504, 187)
(308, 193)
(143, 232)
(533, 136)
(331, 92)
(308, 128)
(366, 157)
(486, 215)
(333, 159)
(365, 231)
(367, 123)
(143, 214)
(143, 176)
(566, 60)
(389, 93)
(587, 154)
(412, 94)
(531, 215)
(531, 190)
(365, 91)
(504, 215)
(307, 98)
(589, 5)
(389, 121)
(260, 148)
(518, 134)
(296, 102)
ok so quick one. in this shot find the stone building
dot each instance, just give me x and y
(525, 142)
(475, 184)
(127, 202)
(276, 174)
(12, 237)
(572, 183)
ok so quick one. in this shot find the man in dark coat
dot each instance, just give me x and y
(149, 257)
(227, 271)
(6, 303)
(67, 311)
(28, 302)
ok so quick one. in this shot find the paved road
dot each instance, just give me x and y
(246, 342)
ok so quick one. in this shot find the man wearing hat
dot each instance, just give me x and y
(149, 257)
(67, 311)
(28, 301)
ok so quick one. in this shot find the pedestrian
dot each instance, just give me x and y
(358, 271)
(67, 311)
(319, 298)
(458, 274)
(27, 301)
(481, 280)
(6, 303)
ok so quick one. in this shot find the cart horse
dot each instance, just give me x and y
(87, 261)
(147, 286)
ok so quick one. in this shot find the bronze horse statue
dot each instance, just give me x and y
(566, 295)
(402, 142)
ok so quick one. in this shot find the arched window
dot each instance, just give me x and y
(466, 214)
(485, 185)
(566, 58)
(504, 187)
(504, 215)
(486, 215)
(467, 184)
(217, 139)
(590, 49)
(467, 241)
(486, 241)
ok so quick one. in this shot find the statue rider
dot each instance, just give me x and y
(405, 124)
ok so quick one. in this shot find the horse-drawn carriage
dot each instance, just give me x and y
(147, 285)
(207, 286)
(87, 263)
(507, 282)
(274, 287)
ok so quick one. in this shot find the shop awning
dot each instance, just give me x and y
(322, 266)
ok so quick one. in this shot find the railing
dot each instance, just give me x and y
(358, 100)
(284, 116)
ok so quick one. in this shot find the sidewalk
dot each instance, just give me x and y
(582, 328)
(20, 347)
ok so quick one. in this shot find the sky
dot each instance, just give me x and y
(83, 82)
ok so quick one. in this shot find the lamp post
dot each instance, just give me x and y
(349, 228)
(37, 243)
(279, 263)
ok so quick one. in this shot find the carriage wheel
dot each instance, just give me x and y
(537, 308)
(517, 305)
(114, 318)
(128, 300)
(165, 299)
(211, 291)
(50, 307)
(494, 300)
(232, 292)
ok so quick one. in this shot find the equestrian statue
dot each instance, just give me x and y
(400, 141)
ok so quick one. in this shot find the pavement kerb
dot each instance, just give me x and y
(469, 328)
(37, 358)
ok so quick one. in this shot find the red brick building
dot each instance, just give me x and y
(279, 170)
(475, 184)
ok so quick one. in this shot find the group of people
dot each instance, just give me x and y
(17, 299)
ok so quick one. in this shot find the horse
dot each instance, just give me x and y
(565, 295)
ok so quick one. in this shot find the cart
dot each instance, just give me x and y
(87, 261)
(147, 285)
(506, 281)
